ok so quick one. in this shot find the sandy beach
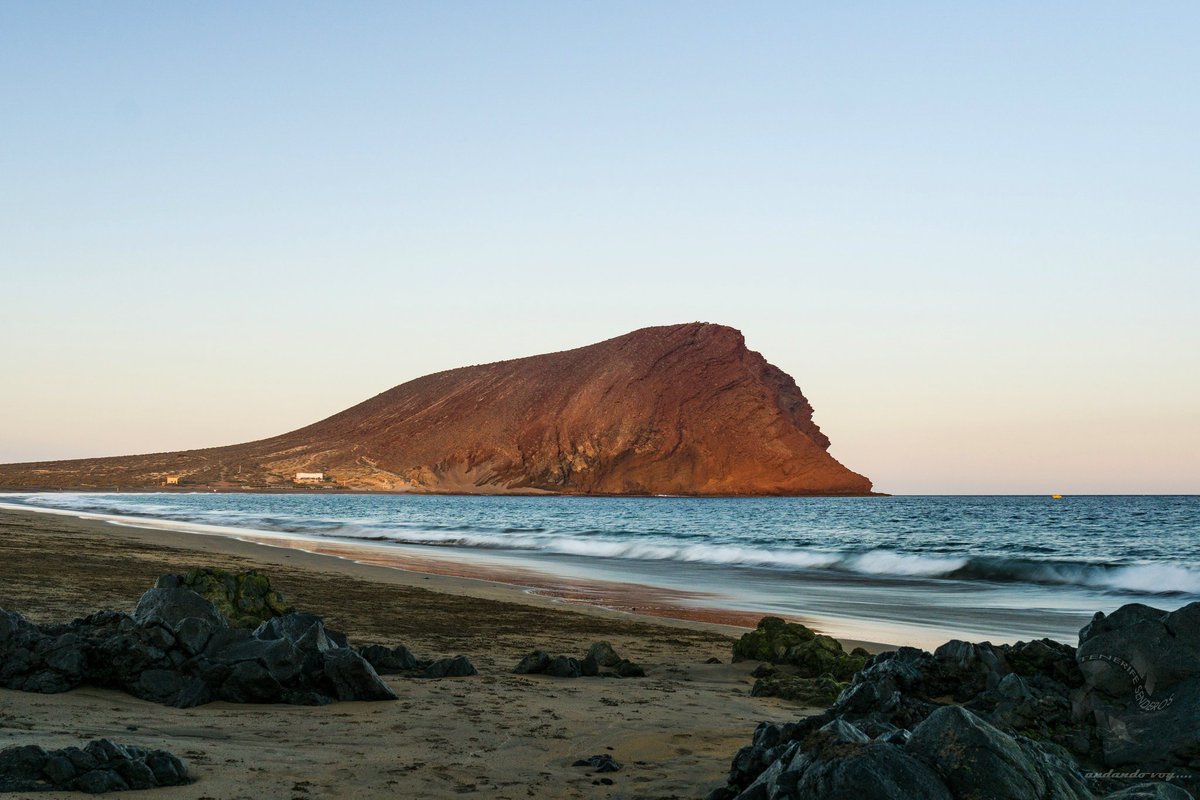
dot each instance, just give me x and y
(497, 734)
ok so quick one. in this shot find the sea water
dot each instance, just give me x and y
(913, 570)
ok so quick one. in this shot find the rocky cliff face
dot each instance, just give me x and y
(681, 409)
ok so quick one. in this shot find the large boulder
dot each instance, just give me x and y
(1141, 667)
(352, 678)
(980, 762)
(169, 607)
(389, 660)
(306, 631)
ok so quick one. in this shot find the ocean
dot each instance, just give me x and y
(907, 570)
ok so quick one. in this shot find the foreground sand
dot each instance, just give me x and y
(497, 734)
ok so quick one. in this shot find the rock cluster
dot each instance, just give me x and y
(177, 648)
(101, 766)
(601, 661)
(1025, 720)
(399, 660)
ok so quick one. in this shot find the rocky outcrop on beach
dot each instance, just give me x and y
(1034, 719)
(681, 409)
(600, 661)
(178, 649)
(101, 766)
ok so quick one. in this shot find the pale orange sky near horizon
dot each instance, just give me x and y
(968, 232)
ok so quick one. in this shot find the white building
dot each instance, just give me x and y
(310, 477)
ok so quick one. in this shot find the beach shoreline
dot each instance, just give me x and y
(389, 564)
(499, 734)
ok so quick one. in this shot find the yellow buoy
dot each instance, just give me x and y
(1056, 497)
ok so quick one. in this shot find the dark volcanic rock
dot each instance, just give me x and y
(389, 660)
(564, 667)
(601, 661)
(169, 607)
(1142, 685)
(961, 747)
(819, 692)
(457, 667)
(534, 663)
(177, 649)
(101, 766)
(998, 721)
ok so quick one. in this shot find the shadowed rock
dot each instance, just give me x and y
(601, 661)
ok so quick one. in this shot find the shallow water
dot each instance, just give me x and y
(911, 569)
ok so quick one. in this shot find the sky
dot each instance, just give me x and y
(970, 231)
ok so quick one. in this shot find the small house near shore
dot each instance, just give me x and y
(310, 477)
(171, 480)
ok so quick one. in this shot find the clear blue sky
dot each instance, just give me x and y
(970, 231)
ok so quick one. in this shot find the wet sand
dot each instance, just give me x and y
(497, 734)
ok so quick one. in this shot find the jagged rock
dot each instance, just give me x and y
(563, 667)
(169, 607)
(101, 766)
(961, 748)
(599, 655)
(457, 667)
(389, 660)
(245, 599)
(353, 678)
(535, 663)
(306, 631)
(1141, 667)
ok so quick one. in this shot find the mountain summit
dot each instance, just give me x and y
(680, 409)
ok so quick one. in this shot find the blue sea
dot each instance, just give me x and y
(908, 570)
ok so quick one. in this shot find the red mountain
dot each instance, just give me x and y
(680, 409)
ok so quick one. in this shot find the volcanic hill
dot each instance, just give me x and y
(681, 409)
